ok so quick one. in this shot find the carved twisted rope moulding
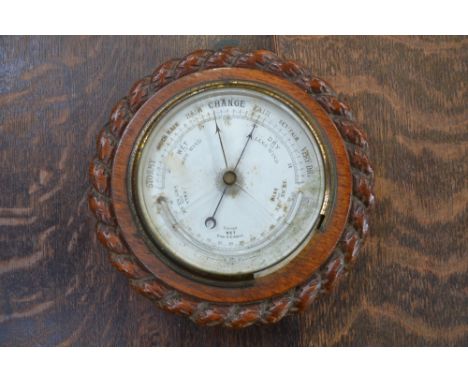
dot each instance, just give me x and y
(241, 314)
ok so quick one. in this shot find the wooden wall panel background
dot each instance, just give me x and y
(410, 286)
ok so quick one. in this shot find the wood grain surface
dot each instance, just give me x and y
(410, 285)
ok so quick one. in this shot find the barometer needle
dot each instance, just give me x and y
(249, 138)
(210, 221)
(218, 131)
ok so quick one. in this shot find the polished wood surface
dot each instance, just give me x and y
(410, 285)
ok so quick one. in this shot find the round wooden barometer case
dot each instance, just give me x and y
(231, 187)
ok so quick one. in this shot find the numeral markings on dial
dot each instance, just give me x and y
(295, 207)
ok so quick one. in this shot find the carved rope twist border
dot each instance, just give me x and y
(233, 315)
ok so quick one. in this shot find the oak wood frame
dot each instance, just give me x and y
(293, 287)
(299, 269)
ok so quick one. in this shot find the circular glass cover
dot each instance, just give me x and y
(229, 181)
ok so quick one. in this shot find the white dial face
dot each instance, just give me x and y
(230, 181)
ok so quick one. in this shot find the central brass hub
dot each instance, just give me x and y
(229, 177)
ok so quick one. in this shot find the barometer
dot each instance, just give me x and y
(231, 187)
